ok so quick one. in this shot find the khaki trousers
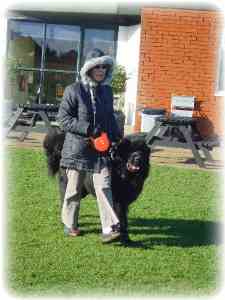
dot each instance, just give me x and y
(71, 204)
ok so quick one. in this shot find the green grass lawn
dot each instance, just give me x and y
(173, 225)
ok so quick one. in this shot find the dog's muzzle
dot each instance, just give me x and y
(132, 168)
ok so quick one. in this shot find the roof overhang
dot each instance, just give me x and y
(116, 7)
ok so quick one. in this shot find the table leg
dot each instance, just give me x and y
(207, 154)
(13, 120)
(45, 118)
(25, 133)
(162, 131)
(187, 136)
(153, 132)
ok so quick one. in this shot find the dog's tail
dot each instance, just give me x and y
(52, 144)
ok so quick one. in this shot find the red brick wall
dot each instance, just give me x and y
(178, 56)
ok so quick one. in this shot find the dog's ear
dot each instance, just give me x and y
(119, 150)
(124, 143)
(146, 148)
(124, 146)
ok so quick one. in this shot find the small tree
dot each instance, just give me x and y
(119, 79)
(119, 86)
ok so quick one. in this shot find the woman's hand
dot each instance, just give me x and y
(95, 132)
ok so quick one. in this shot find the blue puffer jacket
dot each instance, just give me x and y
(76, 116)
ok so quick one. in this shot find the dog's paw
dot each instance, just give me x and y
(125, 239)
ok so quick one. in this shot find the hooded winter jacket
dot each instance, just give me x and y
(76, 116)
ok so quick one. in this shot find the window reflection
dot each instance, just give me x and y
(22, 87)
(54, 69)
(99, 38)
(25, 43)
(54, 86)
(62, 44)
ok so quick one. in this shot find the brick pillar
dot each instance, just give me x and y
(179, 56)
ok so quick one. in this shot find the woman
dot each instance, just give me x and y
(85, 112)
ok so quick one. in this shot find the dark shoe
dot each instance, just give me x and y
(110, 237)
(71, 232)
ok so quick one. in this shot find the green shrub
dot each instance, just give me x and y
(119, 79)
(12, 65)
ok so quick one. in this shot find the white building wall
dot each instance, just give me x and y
(128, 56)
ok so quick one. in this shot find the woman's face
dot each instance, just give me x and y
(98, 73)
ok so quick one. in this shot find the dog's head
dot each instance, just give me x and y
(131, 157)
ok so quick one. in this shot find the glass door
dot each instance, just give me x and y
(62, 45)
(25, 44)
(41, 55)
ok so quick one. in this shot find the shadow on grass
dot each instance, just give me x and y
(174, 232)
(168, 232)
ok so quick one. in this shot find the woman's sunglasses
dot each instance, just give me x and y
(103, 67)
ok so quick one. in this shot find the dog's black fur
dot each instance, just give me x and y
(130, 168)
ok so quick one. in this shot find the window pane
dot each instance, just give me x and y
(62, 47)
(54, 86)
(99, 38)
(25, 43)
(22, 86)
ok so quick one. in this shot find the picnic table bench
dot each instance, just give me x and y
(182, 132)
(27, 115)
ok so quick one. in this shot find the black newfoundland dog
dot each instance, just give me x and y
(130, 167)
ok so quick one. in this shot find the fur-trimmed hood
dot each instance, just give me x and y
(94, 58)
